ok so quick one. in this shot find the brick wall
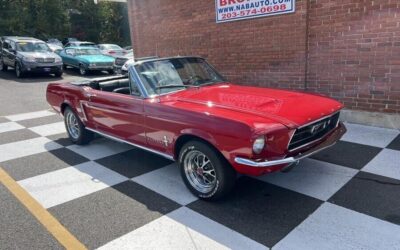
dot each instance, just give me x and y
(347, 49)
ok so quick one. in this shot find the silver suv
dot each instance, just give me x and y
(26, 54)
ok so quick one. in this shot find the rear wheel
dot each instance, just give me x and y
(75, 128)
(3, 67)
(205, 172)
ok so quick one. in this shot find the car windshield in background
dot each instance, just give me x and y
(164, 76)
(87, 44)
(111, 46)
(81, 52)
(32, 47)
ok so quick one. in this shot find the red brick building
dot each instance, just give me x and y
(347, 49)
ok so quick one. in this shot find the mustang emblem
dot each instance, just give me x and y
(318, 127)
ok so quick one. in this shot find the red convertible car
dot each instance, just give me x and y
(181, 108)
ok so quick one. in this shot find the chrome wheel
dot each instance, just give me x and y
(199, 171)
(72, 125)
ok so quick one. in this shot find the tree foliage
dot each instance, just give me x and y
(106, 22)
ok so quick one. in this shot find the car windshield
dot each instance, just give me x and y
(32, 47)
(87, 44)
(164, 76)
(80, 52)
(111, 46)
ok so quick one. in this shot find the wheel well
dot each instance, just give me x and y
(186, 138)
(63, 107)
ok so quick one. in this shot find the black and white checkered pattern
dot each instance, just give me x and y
(114, 196)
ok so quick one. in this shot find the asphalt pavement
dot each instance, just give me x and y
(28, 94)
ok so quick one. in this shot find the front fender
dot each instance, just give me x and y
(201, 134)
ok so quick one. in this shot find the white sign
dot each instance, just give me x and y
(232, 10)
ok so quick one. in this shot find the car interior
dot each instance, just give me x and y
(119, 86)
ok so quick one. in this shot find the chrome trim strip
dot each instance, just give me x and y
(288, 160)
(309, 143)
(169, 157)
(320, 119)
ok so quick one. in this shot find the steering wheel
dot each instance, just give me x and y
(162, 82)
(194, 79)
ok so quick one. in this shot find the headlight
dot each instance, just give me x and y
(58, 60)
(259, 144)
(28, 59)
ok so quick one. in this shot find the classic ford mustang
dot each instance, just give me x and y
(181, 108)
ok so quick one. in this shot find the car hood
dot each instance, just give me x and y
(289, 108)
(95, 58)
(46, 54)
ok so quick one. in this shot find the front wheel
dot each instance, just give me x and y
(82, 70)
(75, 128)
(18, 71)
(58, 74)
(205, 172)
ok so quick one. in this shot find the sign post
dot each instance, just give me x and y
(233, 10)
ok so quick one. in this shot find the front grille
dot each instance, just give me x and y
(45, 60)
(120, 61)
(313, 131)
(102, 64)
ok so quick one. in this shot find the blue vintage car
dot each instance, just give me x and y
(87, 59)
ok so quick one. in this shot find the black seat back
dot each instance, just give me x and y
(109, 86)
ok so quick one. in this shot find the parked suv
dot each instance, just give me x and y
(26, 54)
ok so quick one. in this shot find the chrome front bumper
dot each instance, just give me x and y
(329, 141)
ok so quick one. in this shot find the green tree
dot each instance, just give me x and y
(43, 19)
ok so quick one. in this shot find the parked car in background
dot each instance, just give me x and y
(128, 49)
(125, 67)
(111, 50)
(55, 41)
(181, 108)
(54, 47)
(68, 40)
(80, 44)
(87, 59)
(26, 54)
(121, 60)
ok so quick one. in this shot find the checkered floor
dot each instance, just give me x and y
(114, 196)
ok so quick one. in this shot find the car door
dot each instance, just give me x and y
(117, 115)
(12, 53)
(68, 56)
(6, 52)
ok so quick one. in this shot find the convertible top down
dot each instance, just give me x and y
(181, 108)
